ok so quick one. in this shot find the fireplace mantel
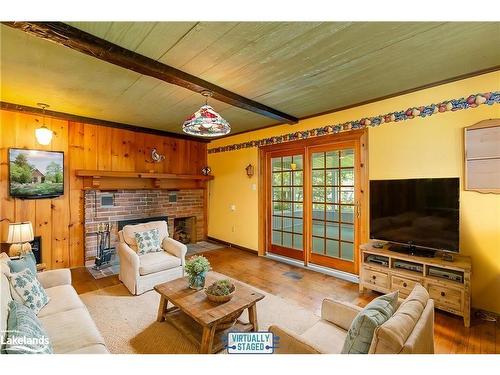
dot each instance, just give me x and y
(111, 180)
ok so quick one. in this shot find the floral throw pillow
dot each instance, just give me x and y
(148, 241)
(26, 289)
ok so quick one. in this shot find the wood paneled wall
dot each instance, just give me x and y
(60, 220)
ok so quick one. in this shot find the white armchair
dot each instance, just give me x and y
(141, 273)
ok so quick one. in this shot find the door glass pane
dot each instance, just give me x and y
(332, 195)
(347, 232)
(297, 241)
(297, 194)
(332, 248)
(287, 161)
(347, 195)
(347, 214)
(287, 239)
(297, 210)
(332, 159)
(318, 194)
(276, 164)
(298, 226)
(347, 251)
(347, 177)
(287, 222)
(332, 212)
(332, 230)
(318, 177)
(318, 211)
(318, 160)
(277, 222)
(276, 238)
(318, 228)
(287, 178)
(347, 158)
(332, 177)
(318, 245)
(277, 179)
(298, 161)
(297, 178)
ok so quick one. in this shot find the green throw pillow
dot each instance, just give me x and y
(26, 289)
(377, 312)
(25, 334)
(148, 241)
(25, 261)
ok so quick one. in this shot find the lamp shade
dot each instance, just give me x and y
(20, 232)
(206, 123)
(43, 135)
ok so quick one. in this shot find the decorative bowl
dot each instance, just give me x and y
(219, 299)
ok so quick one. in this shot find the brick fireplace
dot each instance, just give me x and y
(120, 205)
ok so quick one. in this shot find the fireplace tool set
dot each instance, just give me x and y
(104, 249)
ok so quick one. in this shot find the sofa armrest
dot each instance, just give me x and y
(291, 343)
(339, 313)
(175, 248)
(52, 278)
(128, 258)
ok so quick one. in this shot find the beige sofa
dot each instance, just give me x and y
(65, 318)
(409, 331)
(141, 273)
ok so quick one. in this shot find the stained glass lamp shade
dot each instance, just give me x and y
(206, 123)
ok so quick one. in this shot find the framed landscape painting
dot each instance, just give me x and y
(35, 173)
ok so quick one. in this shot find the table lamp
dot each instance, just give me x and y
(20, 235)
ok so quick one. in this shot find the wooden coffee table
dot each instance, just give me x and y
(203, 322)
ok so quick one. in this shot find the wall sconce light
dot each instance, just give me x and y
(43, 134)
(250, 170)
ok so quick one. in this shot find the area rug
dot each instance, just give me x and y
(128, 323)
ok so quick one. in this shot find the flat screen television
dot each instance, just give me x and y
(35, 173)
(416, 213)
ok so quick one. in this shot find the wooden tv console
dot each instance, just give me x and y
(449, 295)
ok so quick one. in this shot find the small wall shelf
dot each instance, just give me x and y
(119, 180)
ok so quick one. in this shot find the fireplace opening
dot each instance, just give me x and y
(185, 229)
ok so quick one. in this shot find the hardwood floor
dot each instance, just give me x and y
(308, 288)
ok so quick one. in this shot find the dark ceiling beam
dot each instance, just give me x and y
(6, 106)
(78, 40)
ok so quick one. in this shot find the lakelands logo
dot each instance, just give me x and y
(16, 343)
(251, 342)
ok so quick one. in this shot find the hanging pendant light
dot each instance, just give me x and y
(43, 134)
(206, 122)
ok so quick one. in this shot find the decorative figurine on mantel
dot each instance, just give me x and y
(206, 170)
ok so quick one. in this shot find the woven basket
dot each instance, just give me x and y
(219, 299)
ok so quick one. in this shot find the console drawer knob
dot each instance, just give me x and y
(374, 277)
(405, 285)
(443, 294)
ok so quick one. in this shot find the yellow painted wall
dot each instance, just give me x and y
(422, 147)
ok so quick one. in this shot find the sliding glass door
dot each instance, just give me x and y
(333, 206)
(287, 208)
(314, 189)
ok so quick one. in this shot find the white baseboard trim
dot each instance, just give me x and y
(313, 267)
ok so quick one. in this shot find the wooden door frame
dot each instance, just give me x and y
(264, 184)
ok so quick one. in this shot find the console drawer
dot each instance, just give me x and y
(376, 278)
(446, 297)
(404, 285)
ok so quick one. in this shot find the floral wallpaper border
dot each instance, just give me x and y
(472, 101)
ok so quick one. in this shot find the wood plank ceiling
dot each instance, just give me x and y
(300, 68)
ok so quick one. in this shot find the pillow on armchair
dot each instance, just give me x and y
(148, 241)
(361, 331)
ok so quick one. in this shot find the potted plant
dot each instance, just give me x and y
(220, 291)
(196, 268)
